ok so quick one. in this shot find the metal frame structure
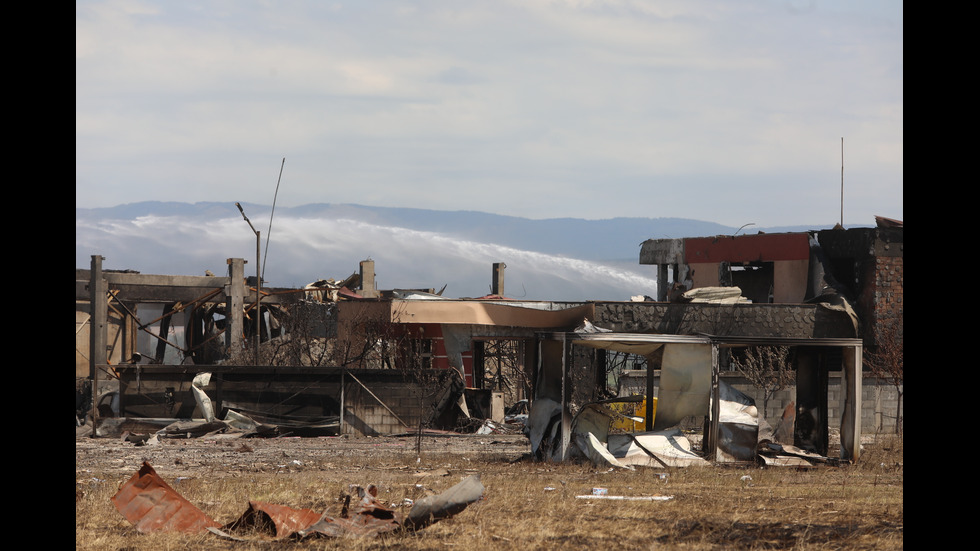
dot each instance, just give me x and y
(851, 366)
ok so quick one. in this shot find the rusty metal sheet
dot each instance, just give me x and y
(368, 518)
(277, 520)
(152, 505)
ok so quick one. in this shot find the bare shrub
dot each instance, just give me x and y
(885, 361)
(768, 368)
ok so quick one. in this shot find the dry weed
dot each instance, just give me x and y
(533, 505)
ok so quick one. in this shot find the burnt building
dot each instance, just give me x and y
(826, 294)
(860, 266)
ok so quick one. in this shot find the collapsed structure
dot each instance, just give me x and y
(344, 357)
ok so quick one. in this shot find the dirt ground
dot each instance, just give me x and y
(751, 508)
(231, 455)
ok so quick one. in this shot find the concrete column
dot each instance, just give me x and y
(497, 286)
(97, 333)
(100, 311)
(235, 305)
(850, 430)
(368, 288)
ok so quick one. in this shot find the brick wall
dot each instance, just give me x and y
(888, 291)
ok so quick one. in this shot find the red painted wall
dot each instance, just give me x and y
(764, 247)
(440, 359)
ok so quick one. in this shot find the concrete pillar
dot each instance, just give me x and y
(97, 332)
(368, 288)
(850, 430)
(497, 286)
(100, 311)
(235, 305)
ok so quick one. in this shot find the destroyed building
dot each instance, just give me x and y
(386, 362)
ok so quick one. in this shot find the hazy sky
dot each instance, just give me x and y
(731, 112)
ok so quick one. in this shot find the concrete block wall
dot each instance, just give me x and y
(364, 416)
(879, 399)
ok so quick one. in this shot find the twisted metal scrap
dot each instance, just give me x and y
(153, 506)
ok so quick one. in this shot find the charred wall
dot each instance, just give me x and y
(376, 402)
(748, 320)
(869, 263)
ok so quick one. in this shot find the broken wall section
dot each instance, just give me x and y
(375, 402)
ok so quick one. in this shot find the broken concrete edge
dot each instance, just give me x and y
(151, 505)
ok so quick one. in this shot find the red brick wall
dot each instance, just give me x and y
(888, 291)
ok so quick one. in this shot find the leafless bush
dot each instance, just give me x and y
(768, 368)
(885, 361)
(306, 328)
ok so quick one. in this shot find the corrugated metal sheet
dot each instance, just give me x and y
(153, 506)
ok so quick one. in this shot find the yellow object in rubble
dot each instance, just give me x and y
(632, 409)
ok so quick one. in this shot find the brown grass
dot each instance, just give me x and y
(852, 507)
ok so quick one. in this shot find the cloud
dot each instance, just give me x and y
(588, 109)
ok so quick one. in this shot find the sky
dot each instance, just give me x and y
(756, 111)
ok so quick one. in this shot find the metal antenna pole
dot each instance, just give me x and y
(268, 234)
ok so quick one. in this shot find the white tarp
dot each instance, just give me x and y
(666, 448)
(654, 449)
(597, 452)
(201, 380)
(645, 449)
(685, 384)
(738, 424)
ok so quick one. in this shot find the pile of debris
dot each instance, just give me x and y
(743, 437)
(152, 505)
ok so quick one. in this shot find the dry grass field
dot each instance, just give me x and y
(526, 504)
